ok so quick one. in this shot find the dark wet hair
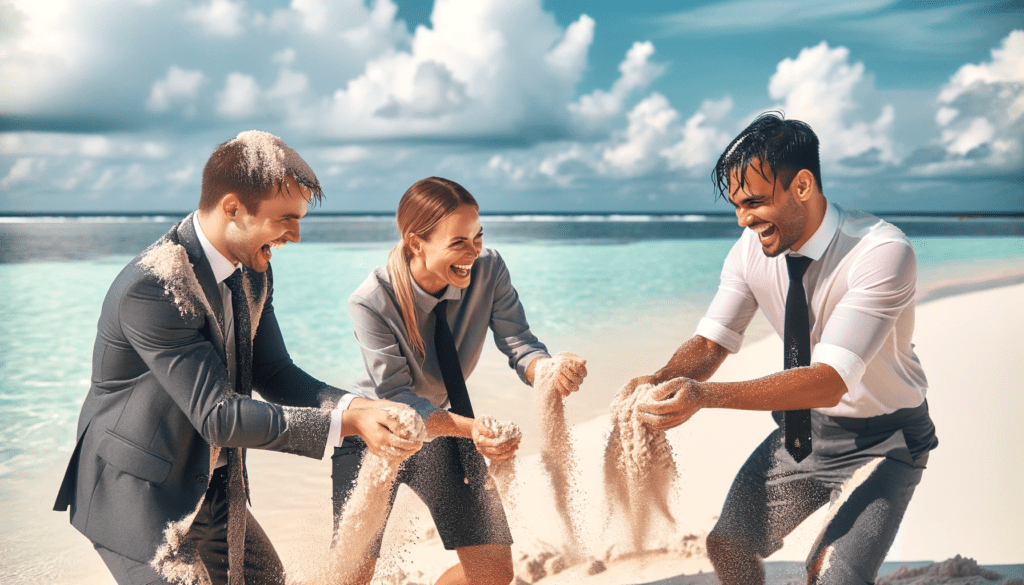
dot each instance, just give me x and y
(784, 146)
(251, 165)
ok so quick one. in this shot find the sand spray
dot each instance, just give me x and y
(639, 468)
(365, 513)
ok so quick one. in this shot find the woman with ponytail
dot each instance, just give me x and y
(441, 269)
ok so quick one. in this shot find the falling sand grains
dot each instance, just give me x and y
(366, 511)
(639, 469)
(556, 447)
(503, 472)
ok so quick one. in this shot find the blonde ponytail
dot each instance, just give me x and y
(423, 205)
(401, 280)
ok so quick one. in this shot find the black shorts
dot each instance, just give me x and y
(450, 476)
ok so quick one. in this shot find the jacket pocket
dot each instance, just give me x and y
(132, 459)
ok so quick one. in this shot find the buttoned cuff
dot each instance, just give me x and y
(720, 334)
(847, 364)
(524, 364)
(334, 437)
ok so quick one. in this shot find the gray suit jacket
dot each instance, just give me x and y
(160, 397)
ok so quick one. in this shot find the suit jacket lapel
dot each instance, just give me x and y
(184, 234)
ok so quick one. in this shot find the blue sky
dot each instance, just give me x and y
(533, 106)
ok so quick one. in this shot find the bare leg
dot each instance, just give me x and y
(365, 574)
(484, 564)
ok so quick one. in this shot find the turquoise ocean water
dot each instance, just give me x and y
(576, 278)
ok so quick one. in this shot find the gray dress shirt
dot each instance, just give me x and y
(395, 372)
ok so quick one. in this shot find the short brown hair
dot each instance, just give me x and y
(250, 165)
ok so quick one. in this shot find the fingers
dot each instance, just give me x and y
(665, 391)
(570, 375)
(500, 451)
(664, 422)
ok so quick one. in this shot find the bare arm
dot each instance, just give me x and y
(442, 422)
(698, 358)
(814, 386)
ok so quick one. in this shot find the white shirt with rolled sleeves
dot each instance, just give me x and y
(860, 292)
(490, 304)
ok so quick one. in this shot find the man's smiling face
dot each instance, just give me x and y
(251, 237)
(763, 206)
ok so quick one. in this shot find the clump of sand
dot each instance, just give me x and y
(556, 448)
(955, 571)
(267, 159)
(639, 469)
(366, 511)
(503, 472)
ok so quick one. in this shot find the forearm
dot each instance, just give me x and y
(444, 423)
(698, 359)
(815, 386)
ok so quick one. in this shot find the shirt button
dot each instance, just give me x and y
(200, 478)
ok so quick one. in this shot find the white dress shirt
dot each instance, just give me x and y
(860, 292)
(222, 269)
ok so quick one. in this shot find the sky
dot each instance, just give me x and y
(553, 106)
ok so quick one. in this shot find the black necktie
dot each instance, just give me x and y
(243, 334)
(797, 338)
(448, 359)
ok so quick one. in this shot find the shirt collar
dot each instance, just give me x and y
(222, 267)
(815, 247)
(426, 301)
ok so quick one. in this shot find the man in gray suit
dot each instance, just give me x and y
(187, 331)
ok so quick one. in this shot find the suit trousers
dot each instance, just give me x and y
(866, 470)
(210, 533)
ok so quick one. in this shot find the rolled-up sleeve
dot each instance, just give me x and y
(386, 365)
(511, 331)
(882, 284)
(734, 304)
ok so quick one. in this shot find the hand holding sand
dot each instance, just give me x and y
(496, 440)
(569, 371)
(380, 424)
(671, 403)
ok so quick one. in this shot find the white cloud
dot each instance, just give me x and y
(183, 174)
(486, 67)
(649, 133)
(703, 141)
(222, 18)
(23, 170)
(981, 113)
(89, 146)
(180, 86)
(934, 27)
(752, 14)
(41, 49)
(822, 88)
(636, 72)
(239, 97)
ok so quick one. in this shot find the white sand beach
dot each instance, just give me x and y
(968, 502)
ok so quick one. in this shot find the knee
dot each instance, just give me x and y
(719, 544)
(497, 574)
(724, 545)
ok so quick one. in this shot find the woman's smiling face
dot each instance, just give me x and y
(445, 257)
